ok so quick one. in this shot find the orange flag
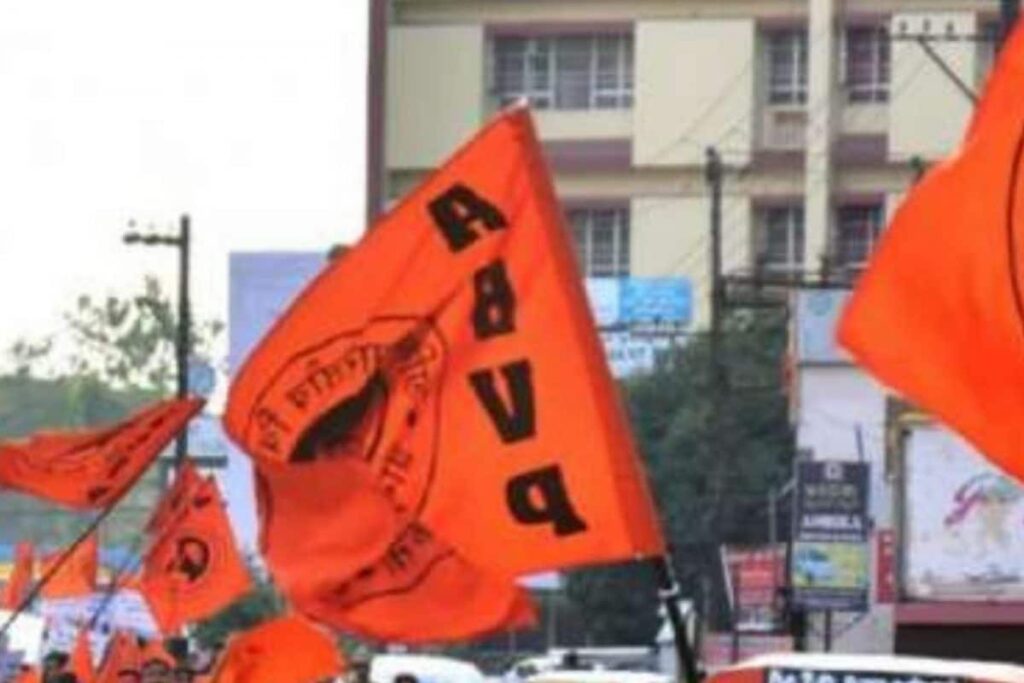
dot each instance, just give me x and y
(123, 656)
(192, 567)
(390, 578)
(92, 468)
(939, 314)
(445, 351)
(81, 658)
(186, 480)
(285, 650)
(28, 674)
(21, 576)
(76, 577)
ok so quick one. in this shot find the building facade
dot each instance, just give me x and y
(824, 112)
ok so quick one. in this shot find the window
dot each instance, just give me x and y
(787, 66)
(857, 230)
(565, 72)
(867, 64)
(601, 237)
(780, 238)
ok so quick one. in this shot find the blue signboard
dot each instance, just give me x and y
(651, 301)
(817, 314)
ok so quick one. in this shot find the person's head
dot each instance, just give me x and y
(182, 674)
(64, 677)
(128, 676)
(54, 663)
(405, 678)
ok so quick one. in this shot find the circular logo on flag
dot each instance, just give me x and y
(371, 394)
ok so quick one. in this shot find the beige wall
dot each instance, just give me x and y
(694, 87)
(585, 124)
(927, 114)
(435, 92)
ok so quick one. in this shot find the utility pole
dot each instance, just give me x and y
(713, 176)
(1009, 10)
(183, 336)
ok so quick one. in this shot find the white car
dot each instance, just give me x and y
(422, 669)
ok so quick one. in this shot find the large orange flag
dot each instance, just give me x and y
(21, 576)
(81, 658)
(192, 567)
(92, 468)
(453, 351)
(76, 577)
(286, 650)
(939, 314)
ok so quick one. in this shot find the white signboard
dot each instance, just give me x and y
(126, 610)
(964, 524)
(24, 639)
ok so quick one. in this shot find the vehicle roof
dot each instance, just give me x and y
(602, 676)
(426, 668)
(1001, 673)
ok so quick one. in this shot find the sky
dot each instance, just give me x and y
(247, 115)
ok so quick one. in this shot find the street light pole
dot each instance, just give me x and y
(183, 334)
(184, 341)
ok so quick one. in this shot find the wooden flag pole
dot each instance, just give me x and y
(668, 591)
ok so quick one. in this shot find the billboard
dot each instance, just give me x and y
(651, 303)
(817, 313)
(755, 575)
(830, 562)
(963, 525)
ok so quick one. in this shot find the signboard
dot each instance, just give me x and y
(651, 303)
(755, 575)
(832, 501)
(780, 675)
(885, 567)
(817, 313)
(830, 560)
(963, 528)
(23, 641)
(126, 610)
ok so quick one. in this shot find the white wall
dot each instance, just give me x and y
(694, 87)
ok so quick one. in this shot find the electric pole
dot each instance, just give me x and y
(1010, 9)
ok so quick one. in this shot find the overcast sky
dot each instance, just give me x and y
(248, 115)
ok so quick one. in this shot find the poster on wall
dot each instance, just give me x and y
(754, 578)
(963, 522)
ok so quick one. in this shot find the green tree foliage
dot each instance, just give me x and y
(115, 355)
(710, 489)
(261, 604)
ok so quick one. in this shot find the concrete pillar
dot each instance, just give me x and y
(822, 116)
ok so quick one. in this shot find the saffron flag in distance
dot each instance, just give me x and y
(75, 576)
(92, 468)
(20, 580)
(192, 567)
(939, 313)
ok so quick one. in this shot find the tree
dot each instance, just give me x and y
(707, 494)
(259, 605)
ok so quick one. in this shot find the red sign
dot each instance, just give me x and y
(885, 567)
(755, 574)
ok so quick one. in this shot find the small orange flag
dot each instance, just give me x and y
(388, 576)
(81, 658)
(76, 577)
(285, 650)
(92, 468)
(28, 674)
(21, 576)
(939, 313)
(192, 567)
(123, 659)
(446, 350)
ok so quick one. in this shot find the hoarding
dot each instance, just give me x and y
(817, 313)
(755, 575)
(963, 525)
(651, 303)
(830, 563)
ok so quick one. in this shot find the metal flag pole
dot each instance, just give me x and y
(668, 591)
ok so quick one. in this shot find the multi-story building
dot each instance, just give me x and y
(822, 111)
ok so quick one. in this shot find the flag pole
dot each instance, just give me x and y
(56, 567)
(668, 591)
(113, 589)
